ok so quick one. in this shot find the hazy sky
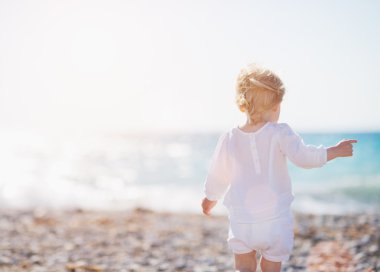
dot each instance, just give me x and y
(172, 65)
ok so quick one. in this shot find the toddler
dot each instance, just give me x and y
(249, 168)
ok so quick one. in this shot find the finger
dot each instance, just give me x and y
(352, 141)
(206, 212)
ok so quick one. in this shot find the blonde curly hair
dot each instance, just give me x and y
(257, 91)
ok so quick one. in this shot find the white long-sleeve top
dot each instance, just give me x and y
(250, 170)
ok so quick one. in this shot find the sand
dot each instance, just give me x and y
(143, 240)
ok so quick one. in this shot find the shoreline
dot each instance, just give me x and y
(145, 240)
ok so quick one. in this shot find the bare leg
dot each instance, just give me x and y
(268, 266)
(246, 262)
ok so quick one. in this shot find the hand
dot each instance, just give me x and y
(207, 205)
(344, 148)
(341, 149)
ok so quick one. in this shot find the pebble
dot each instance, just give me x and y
(5, 261)
(143, 240)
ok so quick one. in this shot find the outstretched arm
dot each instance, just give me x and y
(341, 149)
(309, 156)
(301, 154)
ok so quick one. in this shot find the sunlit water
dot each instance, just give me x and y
(165, 172)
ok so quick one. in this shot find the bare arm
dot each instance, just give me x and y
(341, 149)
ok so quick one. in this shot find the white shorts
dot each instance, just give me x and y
(273, 239)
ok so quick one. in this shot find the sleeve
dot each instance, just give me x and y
(218, 176)
(302, 155)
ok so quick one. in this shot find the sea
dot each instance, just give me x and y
(166, 172)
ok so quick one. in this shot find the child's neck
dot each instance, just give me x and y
(250, 127)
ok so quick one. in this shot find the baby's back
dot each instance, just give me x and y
(255, 188)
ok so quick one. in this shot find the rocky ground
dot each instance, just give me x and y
(141, 240)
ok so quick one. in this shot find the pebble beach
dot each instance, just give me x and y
(144, 240)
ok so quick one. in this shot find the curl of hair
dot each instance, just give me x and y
(242, 102)
(257, 90)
